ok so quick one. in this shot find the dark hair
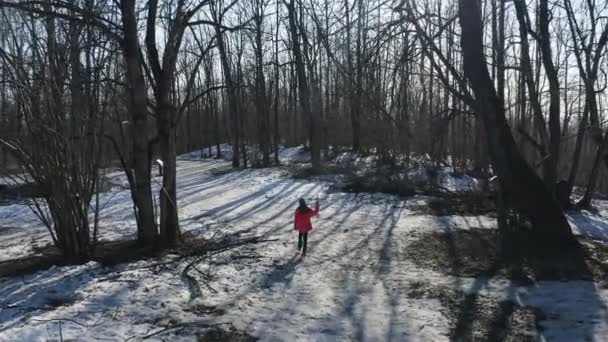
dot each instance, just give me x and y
(302, 206)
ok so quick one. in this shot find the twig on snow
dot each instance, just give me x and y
(66, 320)
(181, 326)
(193, 285)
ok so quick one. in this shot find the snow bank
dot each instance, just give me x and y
(294, 154)
(226, 150)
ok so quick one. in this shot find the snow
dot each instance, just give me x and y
(295, 154)
(352, 285)
(90, 301)
(226, 150)
(287, 154)
(444, 179)
(354, 160)
(594, 226)
(14, 179)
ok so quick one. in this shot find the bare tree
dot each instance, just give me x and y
(59, 147)
(523, 187)
(303, 84)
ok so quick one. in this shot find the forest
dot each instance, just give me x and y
(152, 154)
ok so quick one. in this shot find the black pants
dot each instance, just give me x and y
(302, 239)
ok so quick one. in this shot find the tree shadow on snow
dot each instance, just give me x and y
(243, 201)
(517, 315)
(286, 207)
(282, 273)
(364, 259)
(590, 226)
(25, 298)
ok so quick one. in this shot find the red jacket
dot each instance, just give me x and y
(302, 219)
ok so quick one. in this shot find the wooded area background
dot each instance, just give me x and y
(509, 88)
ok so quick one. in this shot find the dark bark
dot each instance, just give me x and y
(525, 190)
(303, 86)
(552, 160)
(602, 147)
(164, 73)
(588, 62)
(140, 164)
(528, 73)
(260, 91)
(232, 98)
(358, 91)
(277, 136)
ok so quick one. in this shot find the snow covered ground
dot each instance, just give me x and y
(354, 284)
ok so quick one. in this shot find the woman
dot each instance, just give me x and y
(302, 223)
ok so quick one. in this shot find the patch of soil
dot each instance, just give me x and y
(27, 265)
(206, 310)
(19, 193)
(192, 245)
(478, 318)
(110, 253)
(222, 335)
(465, 253)
(299, 172)
(472, 205)
(383, 183)
(58, 301)
(107, 253)
(477, 252)
(389, 181)
(221, 171)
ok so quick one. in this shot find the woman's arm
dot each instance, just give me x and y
(316, 211)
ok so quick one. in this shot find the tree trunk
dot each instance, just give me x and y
(303, 87)
(358, 93)
(169, 223)
(139, 174)
(232, 98)
(552, 160)
(595, 171)
(525, 190)
(576, 157)
(261, 96)
(528, 75)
